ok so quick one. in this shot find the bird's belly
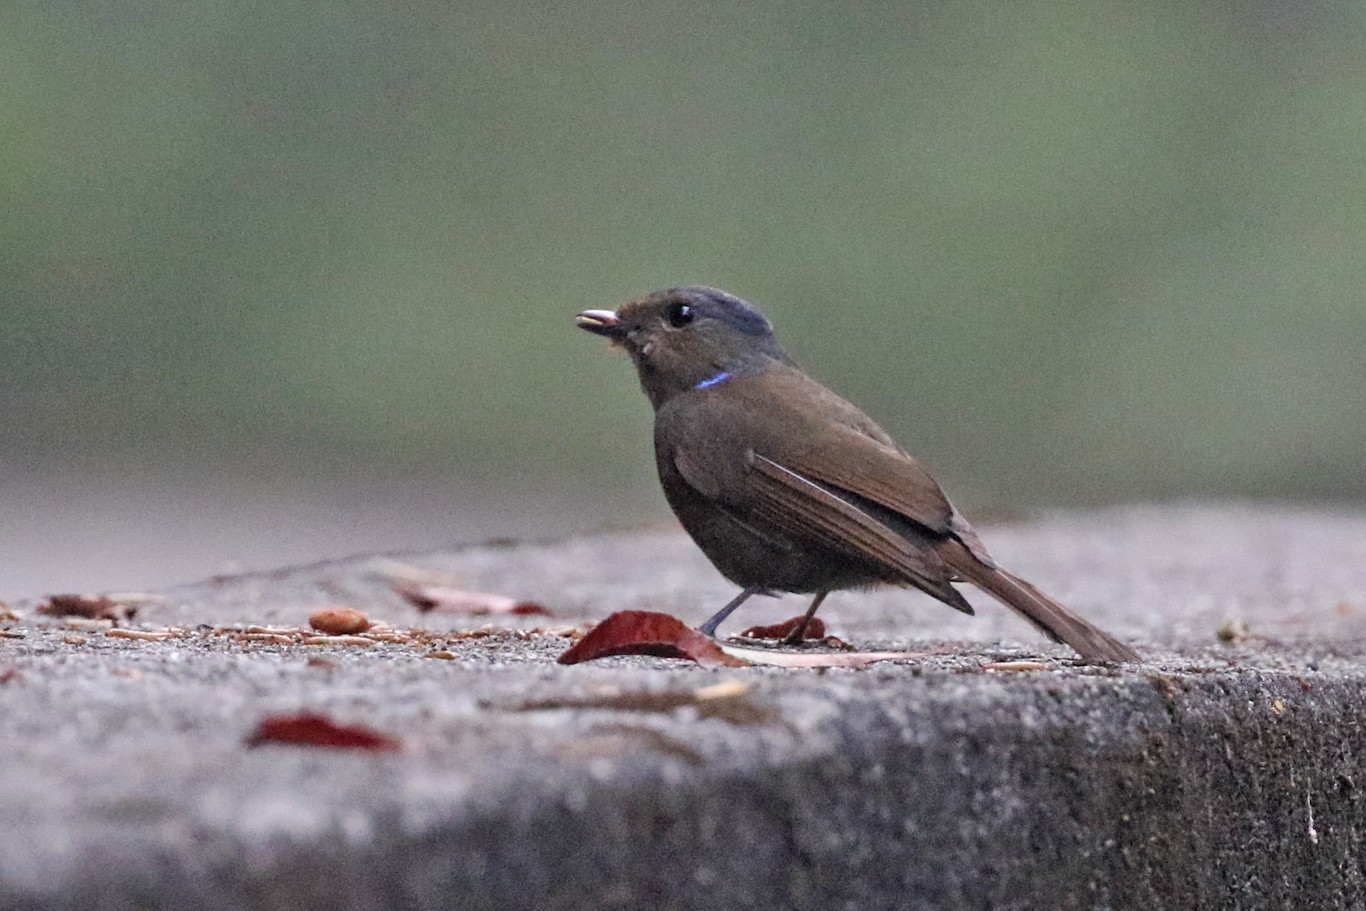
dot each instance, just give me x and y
(748, 551)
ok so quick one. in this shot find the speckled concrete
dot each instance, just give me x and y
(1217, 775)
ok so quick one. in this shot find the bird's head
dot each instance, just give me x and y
(687, 338)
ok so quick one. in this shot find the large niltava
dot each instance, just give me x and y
(787, 487)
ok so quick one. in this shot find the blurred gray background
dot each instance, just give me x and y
(291, 280)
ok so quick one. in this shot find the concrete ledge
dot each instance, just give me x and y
(1219, 775)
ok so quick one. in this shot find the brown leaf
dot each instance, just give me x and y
(316, 730)
(92, 607)
(444, 599)
(814, 630)
(637, 632)
(336, 620)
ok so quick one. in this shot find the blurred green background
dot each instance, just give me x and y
(289, 280)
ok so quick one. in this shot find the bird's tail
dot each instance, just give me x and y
(1055, 621)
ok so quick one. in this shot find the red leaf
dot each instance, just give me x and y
(445, 599)
(315, 730)
(814, 630)
(638, 632)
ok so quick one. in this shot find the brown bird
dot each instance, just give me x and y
(787, 487)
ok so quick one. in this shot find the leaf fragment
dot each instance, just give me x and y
(317, 730)
(636, 632)
(445, 599)
(780, 631)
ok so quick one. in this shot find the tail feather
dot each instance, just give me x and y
(1055, 621)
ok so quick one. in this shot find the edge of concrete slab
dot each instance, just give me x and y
(1138, 791)
(1224, 777)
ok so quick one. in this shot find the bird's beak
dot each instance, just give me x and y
(600, 322)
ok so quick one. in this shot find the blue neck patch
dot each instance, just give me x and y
(713, 380)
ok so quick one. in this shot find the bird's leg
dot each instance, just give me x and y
(709, 628)
(795, 637)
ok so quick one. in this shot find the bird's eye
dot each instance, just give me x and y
(680, 315)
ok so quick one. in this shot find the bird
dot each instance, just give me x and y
(787, 487)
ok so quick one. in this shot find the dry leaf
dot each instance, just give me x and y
(637, 632)
(91, 607)
(444, 599)
(313, 729)
(339, 621)
(814, 630)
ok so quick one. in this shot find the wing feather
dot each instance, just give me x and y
(789, 500)
(887, 476)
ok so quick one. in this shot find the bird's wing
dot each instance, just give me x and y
(803, 496)
(874, 469)
(851, 461)
(786, 497)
